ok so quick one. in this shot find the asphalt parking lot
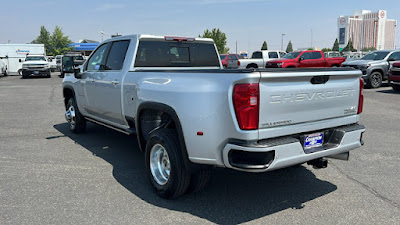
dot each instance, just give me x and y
(50, 176)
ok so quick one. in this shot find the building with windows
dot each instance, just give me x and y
(367, 29)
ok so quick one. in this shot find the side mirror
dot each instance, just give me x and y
(301, 59)
(20, 60)
(77, 73)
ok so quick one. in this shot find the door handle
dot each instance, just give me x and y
(115, 82)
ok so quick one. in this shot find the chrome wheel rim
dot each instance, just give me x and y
(376, 79)
(159, 164)
(70, 116)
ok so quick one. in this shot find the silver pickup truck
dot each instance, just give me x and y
(190, 115)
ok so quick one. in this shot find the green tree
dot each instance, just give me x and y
(55, 43)
(43, 38)
(58, 42)
(264, 46)
(219, 38)
(289, 47)
(368, 49)
(349, 47)
(335, 46)
(326, 50)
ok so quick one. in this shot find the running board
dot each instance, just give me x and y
(127, 132)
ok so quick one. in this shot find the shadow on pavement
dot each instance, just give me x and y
(231, 197)
(390, 91)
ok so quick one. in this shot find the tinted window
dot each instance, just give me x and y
(395, 56)
(35, 58)
(375, 56)
(273, 55)
(282, 54)
(291, 55)
(97, 59)
(222, 57)
(257, 55)
(316, 55)
(176, 54)
(232, 57)
(306, 55)
(116, 57)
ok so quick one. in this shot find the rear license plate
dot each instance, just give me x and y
(313, 140)
(35, 72)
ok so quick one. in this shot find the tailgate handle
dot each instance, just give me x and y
(319, 79)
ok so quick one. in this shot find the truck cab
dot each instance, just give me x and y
(305, 59)
(260, 58)
(35, 65)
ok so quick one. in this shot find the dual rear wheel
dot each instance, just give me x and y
(168, 169)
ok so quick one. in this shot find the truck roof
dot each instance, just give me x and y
(149, 36)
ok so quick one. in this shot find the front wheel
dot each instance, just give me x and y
(77, 122)
(165, 164)
(375, 80)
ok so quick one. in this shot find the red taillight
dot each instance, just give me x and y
(169, 38)
(246, 102)
(238, 63)
(361, 97)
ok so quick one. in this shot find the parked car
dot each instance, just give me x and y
(230, 61)
(52, 63)
(375, 66)
(394, 76)
(310, 58)
(190, 119)
(59, 62)
(260, 58)
(35, 65)
(332, 54)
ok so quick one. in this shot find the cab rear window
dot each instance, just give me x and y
(175, 54)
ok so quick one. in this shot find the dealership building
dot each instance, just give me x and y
(367, 29)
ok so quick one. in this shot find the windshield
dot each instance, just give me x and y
(35, 58)
(291, 55)
(222, 57)
(375, 56)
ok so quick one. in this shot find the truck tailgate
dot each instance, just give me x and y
(297, 97)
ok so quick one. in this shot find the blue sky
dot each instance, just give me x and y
(249, 22)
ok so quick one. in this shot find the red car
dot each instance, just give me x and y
(309, 58)
(230, 61)
(394, 76)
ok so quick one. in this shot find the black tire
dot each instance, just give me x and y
(199, 180)
(48, 75)
(77, 124)
(396, 88)
(5, 73)
(25, 76)
(375, 80)
(179, 176)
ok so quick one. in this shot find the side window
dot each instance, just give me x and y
(116, 57)
(394, 56)
(97, 59)
(273, 55)
(306, 55)
(257, 55)
(316, 55)
(281, 54)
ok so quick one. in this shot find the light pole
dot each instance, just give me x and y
(282, 42)
(102, 35)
